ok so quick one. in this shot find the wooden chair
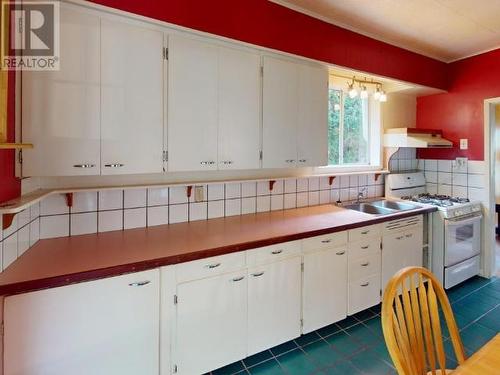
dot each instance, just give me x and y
(412, 326)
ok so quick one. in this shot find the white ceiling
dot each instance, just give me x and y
(447, 30)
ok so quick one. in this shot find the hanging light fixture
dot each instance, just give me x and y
(364, 92)
(352, 90)
(383, 97)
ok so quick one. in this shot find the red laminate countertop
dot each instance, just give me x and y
(62, 261)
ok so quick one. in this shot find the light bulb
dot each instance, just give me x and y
(364, 93)
(383, 97)
(377, 94)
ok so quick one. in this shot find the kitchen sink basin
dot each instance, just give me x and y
(368, 208)
(398, 206)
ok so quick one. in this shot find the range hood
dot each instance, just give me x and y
(418, 138)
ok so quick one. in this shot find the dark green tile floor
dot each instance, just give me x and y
(356, 344)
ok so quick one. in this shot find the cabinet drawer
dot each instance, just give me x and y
(363, 267)
(363, 248)
(199, 269)
(363, 294)
(325, 241)
(274, 252)
(365, 232)
(403, 224)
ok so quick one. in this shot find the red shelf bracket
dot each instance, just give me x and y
(189, 190)
(7, 220)
(271, 184)
(330, 180)
(377, 175)
(69, 199)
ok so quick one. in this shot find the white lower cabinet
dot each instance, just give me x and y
(102, 327)
(211, 327)
(324, 289)
(273, 303)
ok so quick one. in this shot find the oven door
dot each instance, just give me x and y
(462, 238)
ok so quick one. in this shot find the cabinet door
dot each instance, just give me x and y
(399, 250)
(61, 108)
(324, 292)
(280, 111)
(211, 323)
(109, 326)
(132, 98)
(312, 129)
(273, 304)
(239, 109)
(192, 105)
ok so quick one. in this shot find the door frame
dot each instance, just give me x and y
(488, 230)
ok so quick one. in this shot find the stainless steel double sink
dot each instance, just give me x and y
(381, 207)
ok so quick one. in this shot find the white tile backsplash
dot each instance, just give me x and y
(277, 187)
(313, 183)
(34, 231)
(157, 215)
(289, 201)
(215, 192)
(302, 199)
(263, 188)
(177, 213)
(134, 198)
(84, 202)
(23, 240)
(313, 198)
(248, 205)
(248, 189)
(233, 207)
(233, 190)
(277, 202)
(444, 165)
(54, 226)
(263, 203)
(302, 184)
(54, 204)
(198, 211)
(157, 196)
(134, 218)
(83, 223)
(110, 200)
(291, 185)
(178, 194)
(110, 220)
(215, 209)
(9, 254)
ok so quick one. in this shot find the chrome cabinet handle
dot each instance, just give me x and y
(212, 266)
(226, 162)
(340, 252)
(84, 165)
(140, 283)
(365, 284)
(276, 252)
(326, 241)
(409, 235)
(258, 274)
(290, 160)
(207, 162)
(236, 279)
(302, 160)
(365, 247)
(365, 264)
(365, 232)
(400, 237)
(114, 165)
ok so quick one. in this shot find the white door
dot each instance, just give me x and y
(60, 109)
(399, 250)
(280, 103)
(192, 105)
(312, 129)
(211, 323)
(239, 109)
(103, 327)
(324, 292)
(132, 98)
(274, 304)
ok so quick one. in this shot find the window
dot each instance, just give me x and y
(348, 129)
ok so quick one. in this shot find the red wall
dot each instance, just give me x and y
(459, 113)
(10, 187)
(267, 24)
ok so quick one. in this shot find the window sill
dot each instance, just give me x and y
(350, 170)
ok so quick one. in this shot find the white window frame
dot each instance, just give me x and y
(374, 127)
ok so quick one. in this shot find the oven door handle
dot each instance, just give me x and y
(463, 220)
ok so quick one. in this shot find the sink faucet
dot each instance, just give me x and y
(361, 194)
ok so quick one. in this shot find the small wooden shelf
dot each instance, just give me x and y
(15, 146)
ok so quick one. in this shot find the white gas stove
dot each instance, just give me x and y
(456, 227)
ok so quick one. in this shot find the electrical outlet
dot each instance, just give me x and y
(199, 194)
(459, 164)
(464, 144)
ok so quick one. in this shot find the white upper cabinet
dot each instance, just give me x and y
(61, 109)
(102, 327)
(192, 104)
(239, 109)
(312, 129)
(132, 98)
(295, 114)
(280, 104)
